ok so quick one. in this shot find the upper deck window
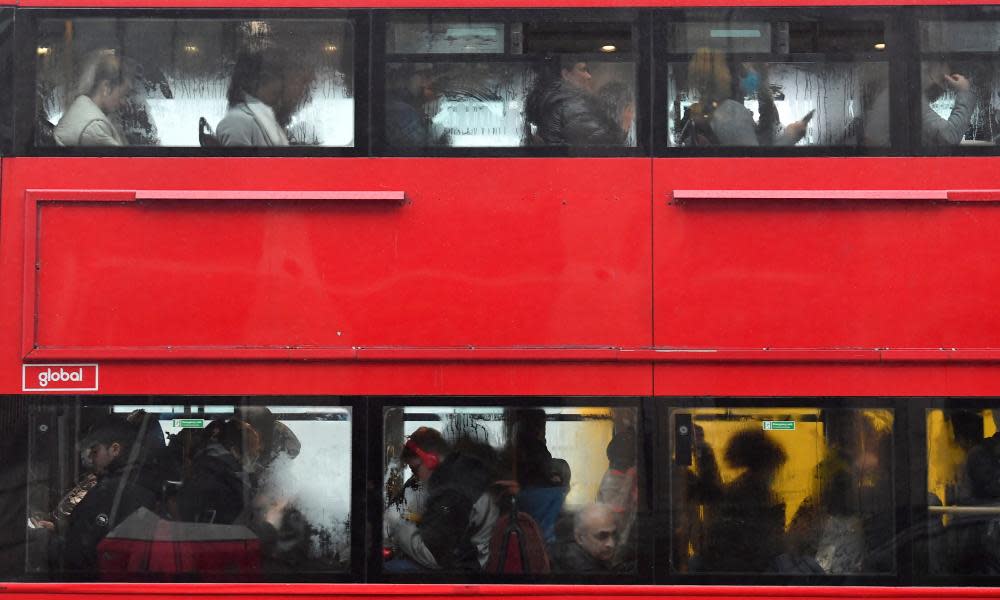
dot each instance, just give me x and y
(465, 81)
(194, 82)
(752, 80)
(959, 74)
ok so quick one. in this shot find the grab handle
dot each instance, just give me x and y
(282, 195)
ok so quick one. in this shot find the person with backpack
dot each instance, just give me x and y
(459, 516)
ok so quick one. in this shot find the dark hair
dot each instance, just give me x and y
(113, 429)
(752, 449)
(621, 450)
(429, 440)
(253, 68)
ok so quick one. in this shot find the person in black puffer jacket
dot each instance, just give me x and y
(455, 528)
(564, 110)
(124, 484)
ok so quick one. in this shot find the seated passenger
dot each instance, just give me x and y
(103, 86)
(123, 486)
(407, 124)
(563, 109)
(595, 538)
(720, 118)
(455, 528)
(265, 90)
(936, 130)
(218, 488)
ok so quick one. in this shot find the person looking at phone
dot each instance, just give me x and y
(720, 118)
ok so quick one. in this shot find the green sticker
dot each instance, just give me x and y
(779, 425)
(189, 423)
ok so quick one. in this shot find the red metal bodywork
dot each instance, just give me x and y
(548, 276)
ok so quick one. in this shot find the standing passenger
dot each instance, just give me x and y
(265, 90)
(103, 86)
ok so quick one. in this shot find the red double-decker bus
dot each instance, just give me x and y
(463, 298)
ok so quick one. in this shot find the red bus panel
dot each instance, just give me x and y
(494, 253)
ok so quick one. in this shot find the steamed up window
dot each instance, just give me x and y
(511, 491)
(194, 82)
(959, 78)
(187, 491)
(788, 491)
(747, 80)
(963, 492)
(464, 81)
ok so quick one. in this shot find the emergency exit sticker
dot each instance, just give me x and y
(779, 425)
(189, 423)
(59, 378)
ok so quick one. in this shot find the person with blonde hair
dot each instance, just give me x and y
(720, 118)
(103, 86)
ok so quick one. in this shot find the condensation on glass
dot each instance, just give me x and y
(168, 82)
(790, 491)
(559, 84)
(453, 477)
(185, 490)
(739, 84)
(963, 491)
(959, 83)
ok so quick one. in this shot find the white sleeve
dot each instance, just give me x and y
(407, 537)
(99, 133)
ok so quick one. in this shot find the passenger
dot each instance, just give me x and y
(541, 481)
(937, 77)
(563, 110)
(103, 86)
(744, 519)
(455, 528)
(122, 487)
(595, 538)
(218, 488)
(975, 538)
(266, 88)
(836, 525)
(720, 118)
(407, 122)
(619, 102)
(935, 130)
(619, 490)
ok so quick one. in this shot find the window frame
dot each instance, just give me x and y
(945, 13)
(25, 83)
(894, 56)
(665, 405)
(640, 57)
(643, 574)
(357, 518)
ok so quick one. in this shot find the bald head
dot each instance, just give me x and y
(596, 531)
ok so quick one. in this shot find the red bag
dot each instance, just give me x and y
(517, 545)
(145, 544)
